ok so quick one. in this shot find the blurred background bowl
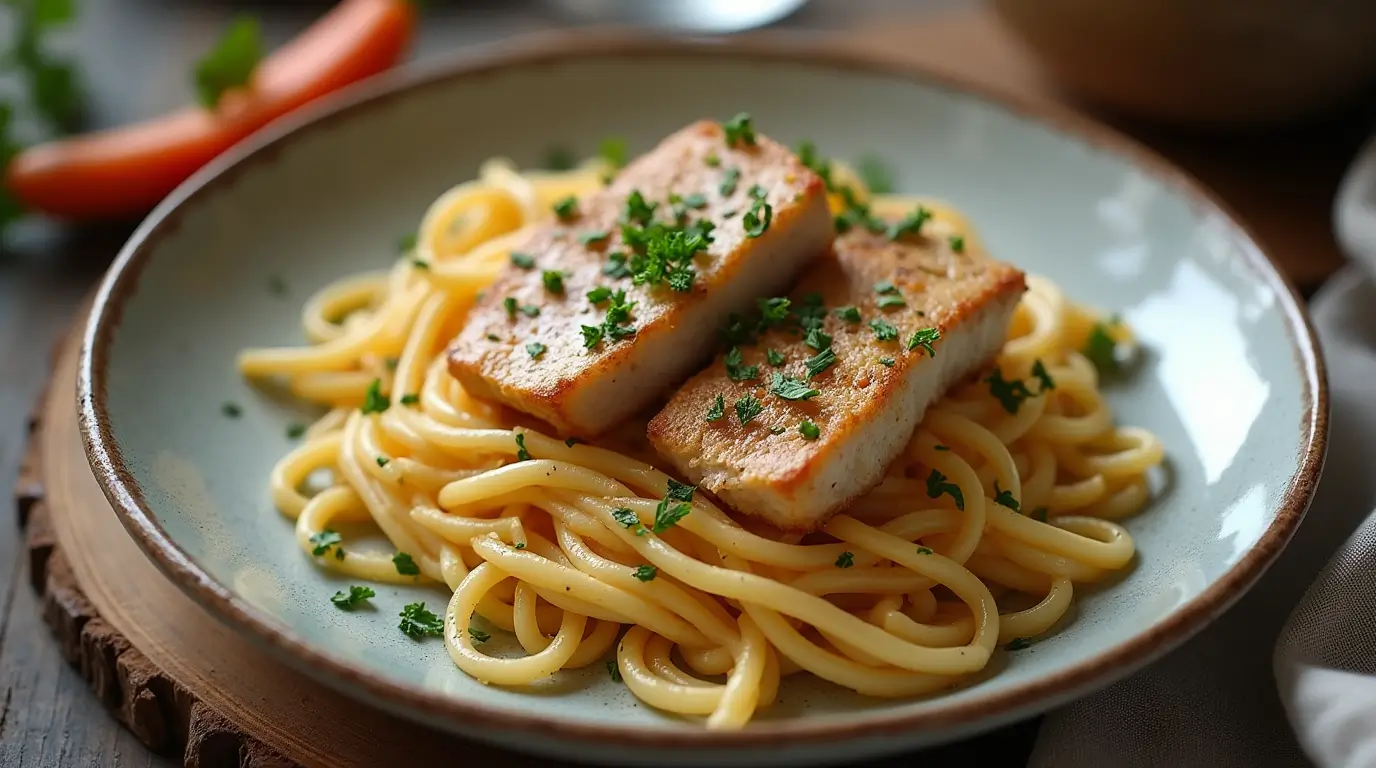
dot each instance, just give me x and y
(1204, 63)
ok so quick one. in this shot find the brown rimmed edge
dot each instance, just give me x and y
(961, 718)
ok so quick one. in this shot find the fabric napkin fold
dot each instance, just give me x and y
(1215, 701)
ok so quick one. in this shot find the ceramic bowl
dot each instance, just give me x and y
(1232, 380)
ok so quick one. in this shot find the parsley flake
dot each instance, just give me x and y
(937, 485)
(887, 362)
(383, 461)
(925, 551)
(521, 453)
(729, 180)
(553, 280)
(789, 388)
(718, 408)
(593, 238)
(739, 130)
(1005, 498)
(1010, 394)
(820, 362)
(616, 266)
(735, 368)
(923, 337)
(230, 64)
(849, 314)
(405, 564)
(628, 519)
(1040, 373)
(295, 431)
(373, 399)
(355, 597)
(773, 311)
(883, 329)
(680, 491)
(807, 155)
(747, 408)
(1018, 644)
(667, 515)
(566, 208)
(406, 243)
(754, 224)
(646, 573)
(809, 430)
(885, 286)
(478, 636)
(774, 357)
(324, 541)
(613, 671)
(599, 295)
(910, 225)
(535, 349)
(1101, 349)
(845, 560)
(416, 622)
(885, 302)
(817, 340)
(957, 243)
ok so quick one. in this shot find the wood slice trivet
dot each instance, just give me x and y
(176, 677)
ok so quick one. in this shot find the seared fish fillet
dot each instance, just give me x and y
(797, 461)
(544, 347)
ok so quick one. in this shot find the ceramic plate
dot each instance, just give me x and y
(1232, 383)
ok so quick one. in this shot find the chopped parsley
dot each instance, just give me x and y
(695, 201)
(718, 408)
(615, 325)
(1040, 373)
(416, 622)
(773, 311)
(420, 264)
(478, 636)
(324, 541)
(849, 314)
(519, 545)
(885, 286)
(845, 560)
(383, 461)
(571, 441)
(820, 362)
(664, 255)
(876, 175)
(512, 307)
(616, 266)
(807, 155)
(735, 368)
(937, 485)
(667, 514)
(1101, 349)
(887, 362)
(410, 399)
(757, 192)
(355, 597)
(405, 564)
(1005, 498)
(809, 430)
(599, 295)
(592, 335)
(613, 671)
(593, 238)
(553, 280)
(229, 65)
(883, 329)
(521, 453)
(817, 340)
(1010, 394)
(566, 208)
(923, 337)
(855, 214)
(789, 388)
(231, 410)
(406, 243)
(1018, 644)
(747, 408)
(910, 225)
(774, 357)
(628, 519)
(925, 551)
(646, 573)
(613, 150)
(756, 225)
(373, 399)
(295, 431)
(885, 302)
(729, 180)
(957, 243)
(535, 349)
(680, 491)
(739, 130)
(638, 209)
(712, 160)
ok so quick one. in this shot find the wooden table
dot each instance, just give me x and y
(136, 55)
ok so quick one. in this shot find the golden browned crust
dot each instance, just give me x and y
(942, 289)
(489, 356)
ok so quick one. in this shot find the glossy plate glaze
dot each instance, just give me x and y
(1232, 380)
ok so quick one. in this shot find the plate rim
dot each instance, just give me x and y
(125, 497)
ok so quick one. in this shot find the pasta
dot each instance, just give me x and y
(909, 591)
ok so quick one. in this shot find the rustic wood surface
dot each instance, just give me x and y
(135, 55)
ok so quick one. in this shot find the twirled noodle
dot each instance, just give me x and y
(894, 598)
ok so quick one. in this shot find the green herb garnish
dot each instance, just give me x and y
(1040, 373)
(910, 225)
(231, 410)
(739, 130)
(735, 368)
(809, 430)
(535, 349)
(593, 238)
(416, 622)
(754, 224)
(355, 597)
(937, 485)
(373, 399)
(383, 461)
(729, 180)
(553, 280)
(566, 208)
(923, 337)
(789, 388)
(613, 150)
(887, 362)
(295, 431)
(521, 453)
(718, 408)
(230, 64)
(523, 260)
(820, 362)
(845, 560)
(405, 564)
(646, 573)
(628, 519)
(849, 314)
(1018, 644)
(957, 243)
(774, 357)
(883, 330)
(323, 541)
(667, 515)
(747, 408)
(1010, 394)
(1005, 498)
(1101, 349)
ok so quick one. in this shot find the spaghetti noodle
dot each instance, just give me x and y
(903, 594)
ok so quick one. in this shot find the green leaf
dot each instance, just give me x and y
(355, 597)
(789, 388)
(52, 13)
(718, 408)
(231, 62)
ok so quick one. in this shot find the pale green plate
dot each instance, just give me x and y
(1232, 381)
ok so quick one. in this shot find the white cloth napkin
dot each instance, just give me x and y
(1214, 702)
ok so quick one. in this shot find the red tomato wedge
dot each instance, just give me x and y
(124, 172)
